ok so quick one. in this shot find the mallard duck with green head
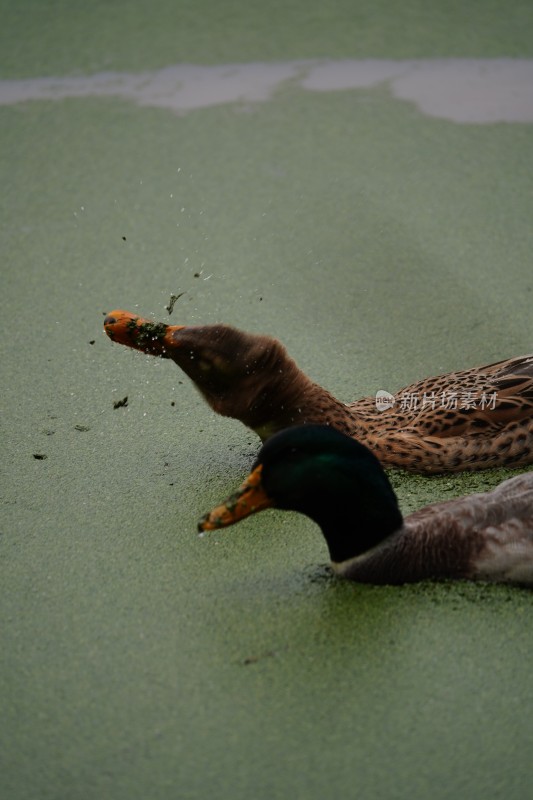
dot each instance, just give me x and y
(468, 420)
(338, 483)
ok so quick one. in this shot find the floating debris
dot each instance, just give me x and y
(259, 657)
(81, 428)
(172, 302)
(40, 456)
(121, 403)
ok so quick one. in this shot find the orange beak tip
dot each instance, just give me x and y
(112, 317)
(249, 498)
(211, 522)
(154, 338)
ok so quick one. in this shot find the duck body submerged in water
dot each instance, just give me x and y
(253, 379)
(340, 484)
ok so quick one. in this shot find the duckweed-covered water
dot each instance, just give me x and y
(382, 241)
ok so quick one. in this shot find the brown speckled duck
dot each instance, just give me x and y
(468, 420)
(340, 485)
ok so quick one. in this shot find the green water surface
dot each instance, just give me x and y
(381, 246)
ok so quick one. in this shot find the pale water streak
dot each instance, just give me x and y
(461, 90)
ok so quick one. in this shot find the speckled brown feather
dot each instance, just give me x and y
(253, 379)
(431, 440)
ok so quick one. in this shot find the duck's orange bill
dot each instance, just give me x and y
(154, 338)
(249, 498)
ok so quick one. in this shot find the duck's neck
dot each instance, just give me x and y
(355, 516)
(351, 538)
(290, 398)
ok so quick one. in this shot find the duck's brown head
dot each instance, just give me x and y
(240, 374)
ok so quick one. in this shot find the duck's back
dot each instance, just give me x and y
(473, 419)
(489, 536)
(508, 554)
